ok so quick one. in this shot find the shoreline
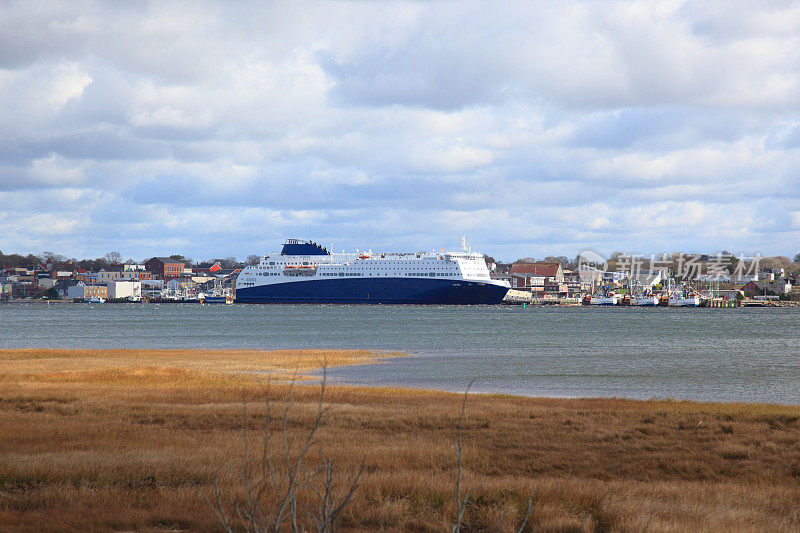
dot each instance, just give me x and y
(303, 365)
(746, 304)
(47, 362)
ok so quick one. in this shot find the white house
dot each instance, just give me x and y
(648, 279)
(125, 289)
(782, 285)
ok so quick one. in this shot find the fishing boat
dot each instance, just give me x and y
(605, 299)
(647, 300)
(214, 299)
(684, 299)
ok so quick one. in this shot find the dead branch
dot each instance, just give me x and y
(279, 482)
(461, 502)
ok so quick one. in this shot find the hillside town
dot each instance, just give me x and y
(621, 280)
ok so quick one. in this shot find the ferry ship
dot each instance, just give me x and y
(306, 272)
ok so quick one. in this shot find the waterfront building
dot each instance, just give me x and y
(165, 267)
(528, 275)
(647, 280)
(125, 289)
(107, 276)
(81, 291)
(207, 268)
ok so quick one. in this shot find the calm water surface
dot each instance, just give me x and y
(701, 354)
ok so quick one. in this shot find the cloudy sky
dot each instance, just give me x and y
(219, 129)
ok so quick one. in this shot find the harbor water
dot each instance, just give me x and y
(729, 355)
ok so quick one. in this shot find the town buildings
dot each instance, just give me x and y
(116, 282)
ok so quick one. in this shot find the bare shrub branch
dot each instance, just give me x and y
(527, 514)
(271, 495)
(461, 503)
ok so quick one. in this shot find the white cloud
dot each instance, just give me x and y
(54, 170)
(69, 82)
(535, 128)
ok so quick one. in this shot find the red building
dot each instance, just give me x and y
(754, 289)
(207, 269)
(536, 274)
(165, 267)
(81, 274)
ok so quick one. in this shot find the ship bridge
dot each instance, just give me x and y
(298, 247)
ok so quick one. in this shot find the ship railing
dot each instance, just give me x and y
(384, 255)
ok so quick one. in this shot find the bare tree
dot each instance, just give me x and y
(113, 257)
(271, 488)
(228, 262)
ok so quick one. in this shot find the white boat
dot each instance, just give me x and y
(684, 300)
(647, 301)
(611, 299)
(96, 300)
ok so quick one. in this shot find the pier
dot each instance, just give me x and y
(721, 302)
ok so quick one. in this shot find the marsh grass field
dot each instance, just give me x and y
(131, 440)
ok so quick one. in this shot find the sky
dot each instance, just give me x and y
(533, 128)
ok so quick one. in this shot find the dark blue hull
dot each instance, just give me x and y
(375, 291)
(215, 300)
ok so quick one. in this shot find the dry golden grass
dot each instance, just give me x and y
(119, 440)
(216, 361)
